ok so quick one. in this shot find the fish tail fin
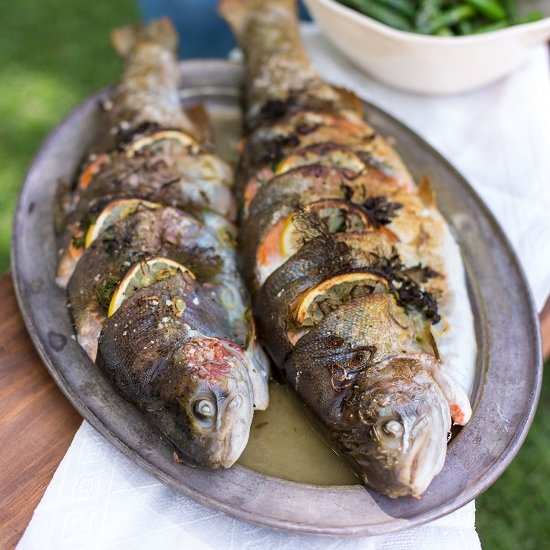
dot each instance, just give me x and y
(159, 31)
(239, 12)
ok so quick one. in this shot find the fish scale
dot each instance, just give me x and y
(367, 364)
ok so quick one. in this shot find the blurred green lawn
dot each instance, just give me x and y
(53, 53)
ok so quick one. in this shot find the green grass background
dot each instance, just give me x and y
(53, 53)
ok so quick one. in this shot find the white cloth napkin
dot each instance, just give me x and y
(499, 137)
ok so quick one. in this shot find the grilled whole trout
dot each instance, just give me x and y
(148, 258)
(343, 254)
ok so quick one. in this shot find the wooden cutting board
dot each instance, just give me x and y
(37, 423)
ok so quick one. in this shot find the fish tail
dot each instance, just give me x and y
(238, 13)
(278, 69)
(147, 95)
(159, 31)
(263, 28)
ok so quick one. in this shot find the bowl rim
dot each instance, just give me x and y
(410, 37)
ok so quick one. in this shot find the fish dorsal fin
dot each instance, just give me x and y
(426, 192)
(350, 101)
(198, 116)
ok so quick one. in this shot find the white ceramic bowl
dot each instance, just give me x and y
(428, 64)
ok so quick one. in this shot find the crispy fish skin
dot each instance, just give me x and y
(342, 253)
(267, 146)
(177, 340)
(418, 236)
(168, 174)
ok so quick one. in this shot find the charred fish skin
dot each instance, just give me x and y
(149, 262)
(342, 252)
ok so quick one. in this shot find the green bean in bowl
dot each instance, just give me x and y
(434, 46)
(445, 18)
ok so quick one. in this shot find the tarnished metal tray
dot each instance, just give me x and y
(509, 357)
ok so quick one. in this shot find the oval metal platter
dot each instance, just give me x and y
(508, 364)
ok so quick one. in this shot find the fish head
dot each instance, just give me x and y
(167, 350)
(402, 422)
(385, 409)
(214, 399)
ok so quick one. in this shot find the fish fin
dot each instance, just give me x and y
(67, 264)
(458, 400)
(350, 101)
(237, 12)
(259, 375)
(159, 31)
(426, 192)
(259, 370)
(200, 120)
(459, 404)
(89, 325)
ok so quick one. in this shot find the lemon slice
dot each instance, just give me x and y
(280, 241)
(172, 135)
(338, 288)
(290, 237)
(144, 274)
(324, 154)
(332, 212)
(115, 211)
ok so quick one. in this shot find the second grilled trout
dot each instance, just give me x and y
(148, 258)
(344, 256)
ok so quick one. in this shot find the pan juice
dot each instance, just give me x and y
(283, 443)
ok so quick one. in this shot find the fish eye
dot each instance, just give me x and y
(393, 428)
(205, 410)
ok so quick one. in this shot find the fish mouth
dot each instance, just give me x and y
(235, 401)
(417, 477)
(425, 461)
(238, 420)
